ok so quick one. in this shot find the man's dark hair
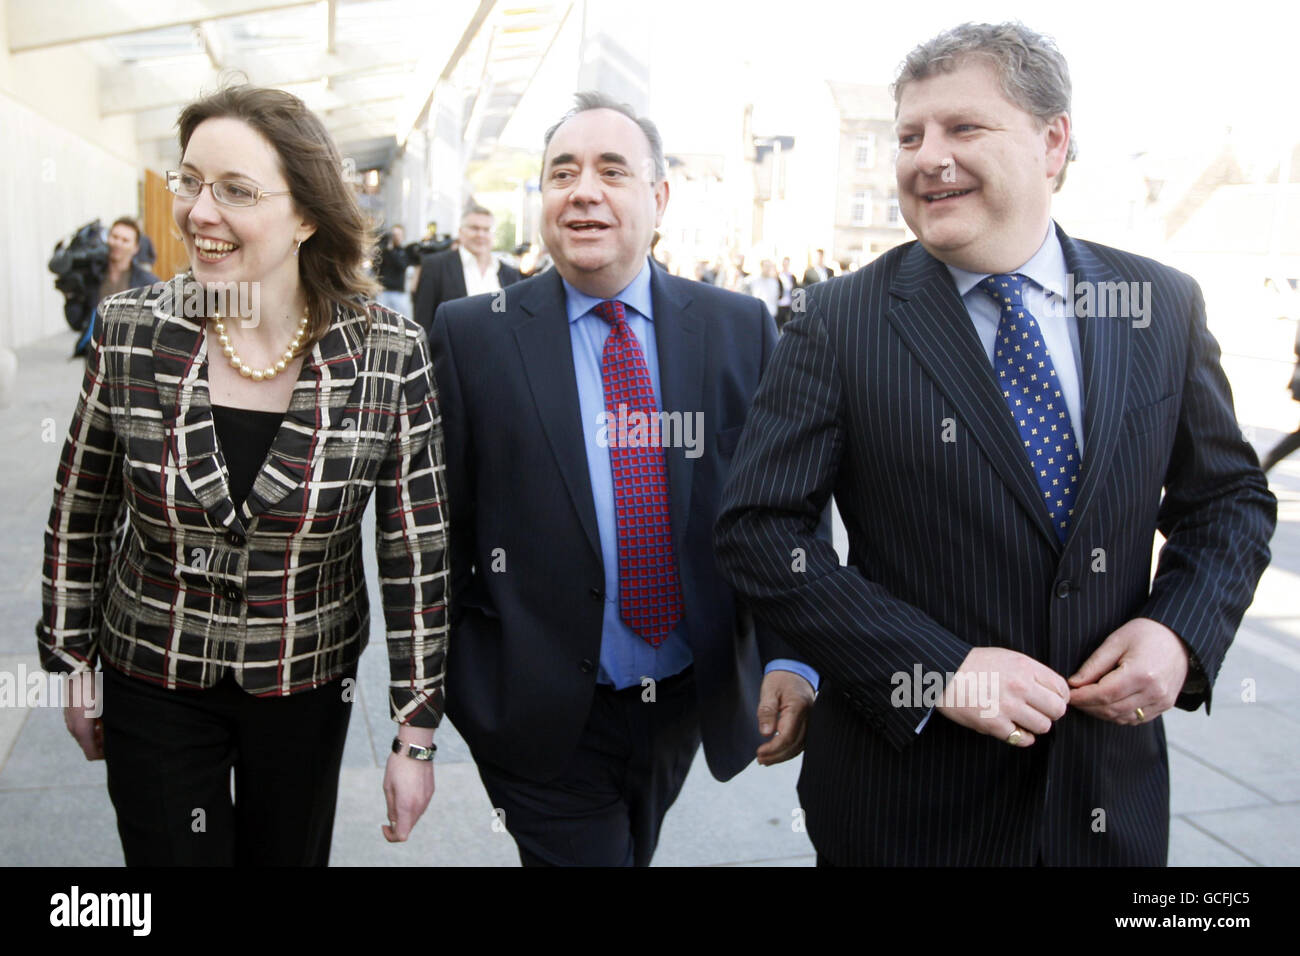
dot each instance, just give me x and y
(130, 224)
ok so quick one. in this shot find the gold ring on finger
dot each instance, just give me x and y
(1141, 716)
(1014, 737)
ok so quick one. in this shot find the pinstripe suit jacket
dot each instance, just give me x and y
(274, 591)
(951, 547)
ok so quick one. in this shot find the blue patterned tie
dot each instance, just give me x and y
(1033, 393)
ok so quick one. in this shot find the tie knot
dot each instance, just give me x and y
(611, 310)
(1007, 289)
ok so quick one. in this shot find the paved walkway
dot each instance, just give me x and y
(1235, 775)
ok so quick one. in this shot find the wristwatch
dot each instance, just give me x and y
(414, 751)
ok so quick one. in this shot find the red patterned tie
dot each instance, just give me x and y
(649, 598)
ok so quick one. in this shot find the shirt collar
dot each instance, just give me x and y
(1046, 267)
(468, 261)
(635, 295)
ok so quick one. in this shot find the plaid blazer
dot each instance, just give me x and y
(149, 563)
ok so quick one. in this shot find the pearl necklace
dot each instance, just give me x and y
(259, 374)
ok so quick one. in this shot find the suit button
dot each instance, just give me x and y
(235, 538)
(586, 666)
(232, 594)
(597, 593)
(1063, 589)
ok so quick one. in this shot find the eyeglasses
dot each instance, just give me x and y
(225, 191)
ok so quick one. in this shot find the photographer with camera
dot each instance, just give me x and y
(123, 271)
(90, 271)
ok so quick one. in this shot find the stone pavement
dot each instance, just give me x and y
(1235, 775)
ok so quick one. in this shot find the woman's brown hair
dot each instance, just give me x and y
(330, 263)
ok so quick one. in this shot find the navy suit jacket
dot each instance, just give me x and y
(527, 570)
(882, 394)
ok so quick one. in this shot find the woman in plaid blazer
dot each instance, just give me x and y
(205, 537)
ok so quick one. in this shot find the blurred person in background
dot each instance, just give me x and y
(394, 260)
(204, 543)
(147, 255)
(1291, 442)
(535, 260)
(734, 278)
(785, 303)
(818, 271)
(468, 269)
(123, 270)
(766, 286)
(123, 273)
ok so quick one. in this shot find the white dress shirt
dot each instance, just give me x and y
(476, 281)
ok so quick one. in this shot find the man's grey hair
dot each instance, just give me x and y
(1032, 71)
(472, 208)
(596, 100)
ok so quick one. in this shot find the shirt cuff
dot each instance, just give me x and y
(928, 714)
(794, 667)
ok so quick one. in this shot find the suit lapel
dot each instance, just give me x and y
(189, 436)
(679, 343)
(934, 323)
(454, 279)
(1104, 347)
(318, 406)
(546, 353)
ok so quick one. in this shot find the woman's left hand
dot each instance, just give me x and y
(408, 788)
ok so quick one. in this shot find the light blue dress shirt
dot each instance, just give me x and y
(1045, 298)
(625, 657)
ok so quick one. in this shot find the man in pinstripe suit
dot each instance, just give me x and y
(1002, 447)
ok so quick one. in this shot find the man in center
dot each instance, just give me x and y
(590, 414)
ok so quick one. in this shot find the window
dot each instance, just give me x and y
(894, 215)
(864, 150)
(860, 211)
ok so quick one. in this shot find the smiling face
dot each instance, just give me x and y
(600, 203)
(247, 243)
(975, 171)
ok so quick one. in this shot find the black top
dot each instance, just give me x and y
(245, 438)
(392, 268)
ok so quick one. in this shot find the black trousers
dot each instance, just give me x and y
(171, 754)
(606, 807)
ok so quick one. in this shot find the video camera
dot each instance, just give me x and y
(439, 243)
(80, 263)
